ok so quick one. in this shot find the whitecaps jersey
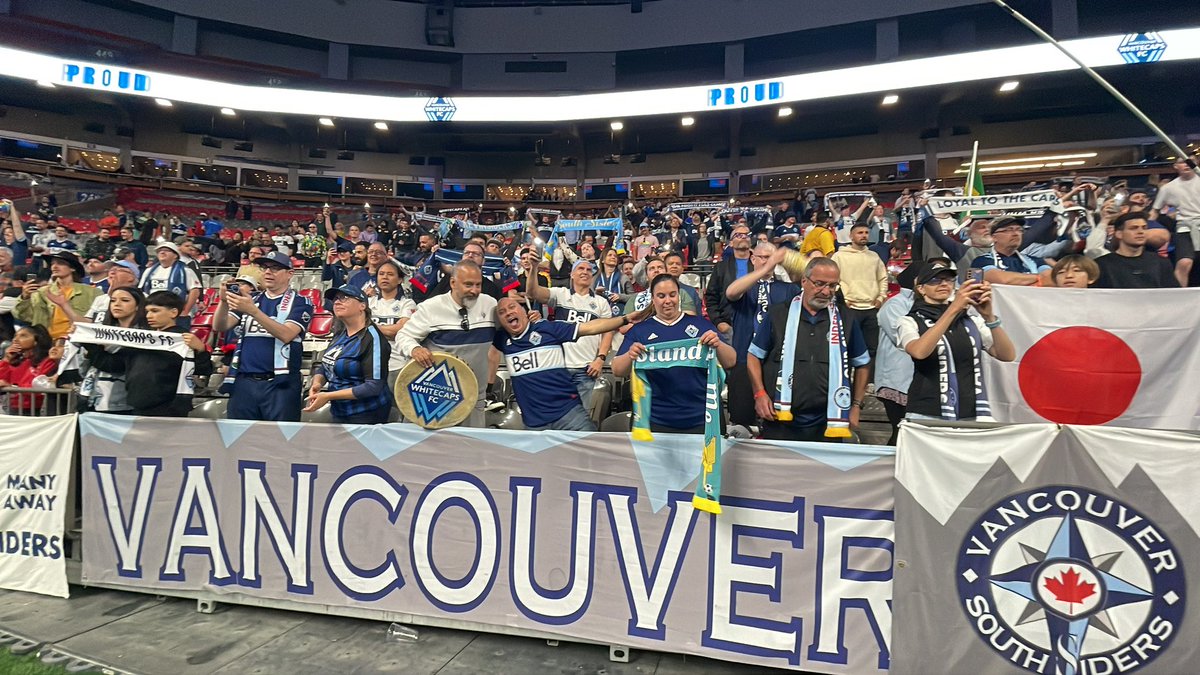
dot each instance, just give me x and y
(567, 305)
(536, 363)
(388, 312)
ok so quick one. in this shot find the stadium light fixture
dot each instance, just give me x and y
(382, 126)
(1011, 85)
(616, 126)
(46, 84)
(785, 111)
(688, 121)
(325, 122)
(228, 112)
(891, 99)
(164, 102)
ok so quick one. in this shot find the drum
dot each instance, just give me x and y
(439, 396)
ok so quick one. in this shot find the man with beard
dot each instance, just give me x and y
(461, 322)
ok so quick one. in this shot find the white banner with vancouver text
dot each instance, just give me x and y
(35, 470)
(584, 535)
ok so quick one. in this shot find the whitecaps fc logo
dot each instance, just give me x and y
(435, 392)
(440, 109)
(1068, 581)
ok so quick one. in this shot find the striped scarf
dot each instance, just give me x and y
(837, 407)
(950, 399)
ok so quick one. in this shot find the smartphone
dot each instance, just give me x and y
(234, 288)
(977, 276)
(30, 278)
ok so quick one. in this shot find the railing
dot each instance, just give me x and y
(37, 402)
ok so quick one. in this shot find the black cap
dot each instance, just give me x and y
(347, 290)
(934, 270)
(70, 259)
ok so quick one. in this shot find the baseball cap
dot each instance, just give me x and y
(276, 258)
(348, 290)
(129, 265)
(935, 270)
(169, 246)
(580, 263)
(1006, 221)
(345, 247)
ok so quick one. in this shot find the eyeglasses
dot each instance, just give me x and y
(940, 281)
(740, 235)
(465, 323)
(822, 285)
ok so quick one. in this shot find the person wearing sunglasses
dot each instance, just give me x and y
(461, 322)
(947, 343)
(352, 373)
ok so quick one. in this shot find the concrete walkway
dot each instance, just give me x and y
(150, 635)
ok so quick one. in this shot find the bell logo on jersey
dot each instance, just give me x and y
(535, 360)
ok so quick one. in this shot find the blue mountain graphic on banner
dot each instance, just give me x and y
(841, 456)
(435, 392)
(669, 462)
(231, 430)
(385, 441)
(109, 427)
(524, 441)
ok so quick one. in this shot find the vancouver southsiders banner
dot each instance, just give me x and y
(582, 535)
(1124, 358)
(1057, 550)
(35, 472)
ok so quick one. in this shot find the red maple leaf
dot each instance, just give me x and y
(1069, 589)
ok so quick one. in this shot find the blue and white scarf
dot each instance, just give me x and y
(837, 407)
(176, 282)
(281, 350)
(950, 397)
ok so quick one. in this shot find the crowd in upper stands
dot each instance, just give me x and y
(819, 302)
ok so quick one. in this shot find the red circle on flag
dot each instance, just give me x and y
(1079, 375)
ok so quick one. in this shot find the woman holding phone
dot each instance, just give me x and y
(947, 344)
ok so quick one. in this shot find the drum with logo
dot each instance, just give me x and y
(439, 396)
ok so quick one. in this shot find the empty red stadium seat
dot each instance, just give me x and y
(314, 296)
(203, 319)
(321, 325)
(202, 332)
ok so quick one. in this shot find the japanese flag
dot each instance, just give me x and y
(1125, 358)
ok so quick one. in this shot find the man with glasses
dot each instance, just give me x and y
(461, 322)
(1006, 264)
(731, 268)
(810, 371)
(506, 285)
(266, 364)
(749, 298)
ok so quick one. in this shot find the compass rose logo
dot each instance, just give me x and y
(1068, 581)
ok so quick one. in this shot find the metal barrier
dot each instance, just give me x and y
(34, 402)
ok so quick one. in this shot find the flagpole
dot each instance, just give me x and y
(1179, 152)
(974, 168)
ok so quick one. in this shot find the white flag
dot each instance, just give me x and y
(1123, 358)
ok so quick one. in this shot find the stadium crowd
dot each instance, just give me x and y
(811, 305)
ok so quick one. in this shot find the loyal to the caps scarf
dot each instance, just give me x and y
(950, 398)
(837, 407)
(687, 354)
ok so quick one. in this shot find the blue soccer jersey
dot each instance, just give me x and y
(537, 365)
(261, 353)
(678, 393)
(358, 362)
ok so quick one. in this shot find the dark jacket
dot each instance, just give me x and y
(151, 378)
(723, 274)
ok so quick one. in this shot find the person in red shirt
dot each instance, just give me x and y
(27, 357)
